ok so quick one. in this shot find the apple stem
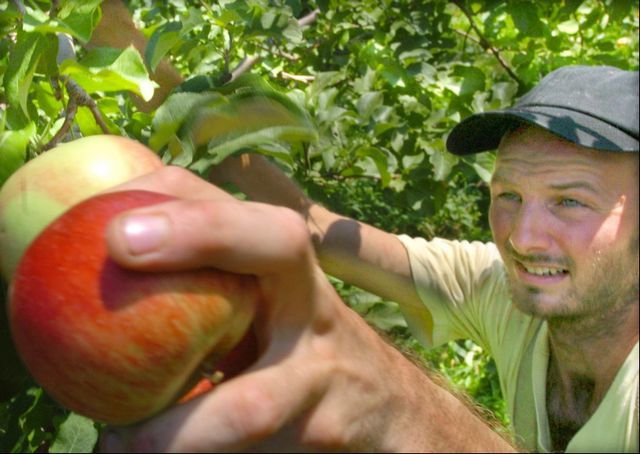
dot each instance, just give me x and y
(216, 377)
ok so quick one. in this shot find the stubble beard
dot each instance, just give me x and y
(596, 306)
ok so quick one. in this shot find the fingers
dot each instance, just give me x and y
(236, 415)
(240, 237)
(205, 227)
(175, 181)
(216, 230)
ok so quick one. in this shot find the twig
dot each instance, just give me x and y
(297, 77)
(486, 45)
(227, 52)
(244, 65)
(77, 97)
(20, 6)
(309, 18)
(53, 11)
(83, 99)
(70, 114)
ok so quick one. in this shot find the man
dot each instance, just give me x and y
(554, 299)
(564, 216)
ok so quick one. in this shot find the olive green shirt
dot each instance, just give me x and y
(463, 286)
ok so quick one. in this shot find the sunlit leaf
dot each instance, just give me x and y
(23, 61)
(109, 70)
(76, 434)
(161, 41)
(13, 149)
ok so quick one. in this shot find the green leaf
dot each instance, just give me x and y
(368, 103)
(162, 40)
(527, 18)
(80, 18)
(107, 70)
(76, 434)
(23, 61)
(88, 125)
(441, 160)
(13, 150)
(380, 161)
(75, 18)
(172, 114)
(570, 27)
(293, 32)
(385, 316)
(48, 64)
(484, 164)
(248, 112)
(473, 79)
(216, 154)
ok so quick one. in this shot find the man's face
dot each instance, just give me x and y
(565, 220)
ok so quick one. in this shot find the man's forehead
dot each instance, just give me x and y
(532, 150)
(534, 144)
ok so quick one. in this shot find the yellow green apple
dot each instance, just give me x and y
(48, 185)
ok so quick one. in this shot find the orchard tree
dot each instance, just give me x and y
(374, 87)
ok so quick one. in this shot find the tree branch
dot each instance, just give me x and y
(77, 98)
(297, 77)
(309, 18)
(484, 42)
(20, 6)
(82, 98)
(70, 114)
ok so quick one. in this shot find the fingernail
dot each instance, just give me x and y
(145, 233)
(111, 442)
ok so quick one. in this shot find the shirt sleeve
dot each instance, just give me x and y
(462, 288)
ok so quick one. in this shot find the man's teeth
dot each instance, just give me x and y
(544, 271)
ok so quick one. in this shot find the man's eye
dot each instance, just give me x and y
(570, 203)
(509, 196)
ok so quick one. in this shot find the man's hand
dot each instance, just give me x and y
(324, 379)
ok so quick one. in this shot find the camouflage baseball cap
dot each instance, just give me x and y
(592, 106)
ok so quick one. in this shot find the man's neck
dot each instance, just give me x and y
(582, 349)
(583, 362)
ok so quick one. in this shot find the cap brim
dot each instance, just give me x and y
(482, 132)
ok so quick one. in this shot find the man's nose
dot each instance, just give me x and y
(530, 232)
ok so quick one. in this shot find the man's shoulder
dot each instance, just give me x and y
(483, 256)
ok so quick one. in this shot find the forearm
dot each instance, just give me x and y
(421, 413)
(347, 249)
(261, 181)
(116, 29)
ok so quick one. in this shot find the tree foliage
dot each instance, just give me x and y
(383, 82)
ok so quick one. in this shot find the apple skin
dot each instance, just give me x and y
(46, 186)
(243, 355)
(113, 344)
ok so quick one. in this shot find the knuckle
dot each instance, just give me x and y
(254, 416)
(325, 434)
(173, 176)
(202, 224)
(296, 232)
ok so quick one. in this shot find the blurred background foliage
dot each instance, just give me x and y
(384, 82)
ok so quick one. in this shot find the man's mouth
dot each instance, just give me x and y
(543, 271)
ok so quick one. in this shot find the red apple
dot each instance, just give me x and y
(113, 344)
(232, 364)
(46, 186)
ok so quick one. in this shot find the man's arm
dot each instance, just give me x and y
(353, 251)
(325, 381)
